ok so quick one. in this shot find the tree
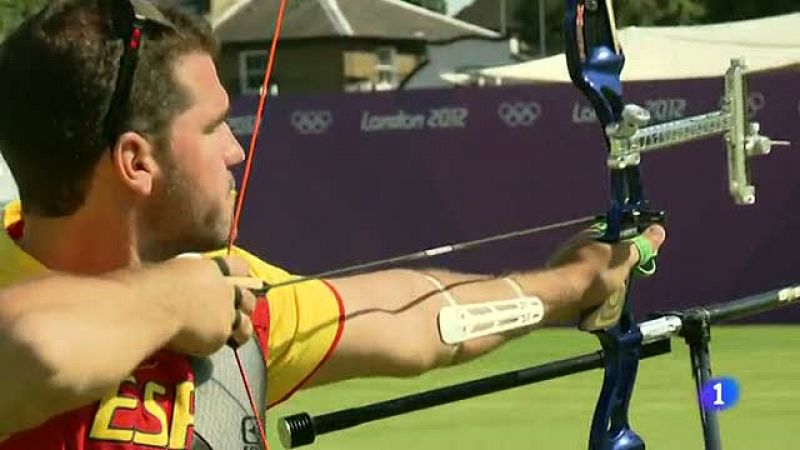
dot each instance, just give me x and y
(628, 12)
(641, 13)
(439, 6)
(726, 10)
(526, 21)
(660, 12)
(12, 12)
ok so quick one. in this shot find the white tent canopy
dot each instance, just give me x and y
(701, 51)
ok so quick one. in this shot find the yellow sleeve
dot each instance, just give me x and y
(305, 322)
(12, 213)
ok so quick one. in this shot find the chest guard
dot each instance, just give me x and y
(223, 419)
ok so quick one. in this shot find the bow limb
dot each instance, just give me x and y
(595, 61)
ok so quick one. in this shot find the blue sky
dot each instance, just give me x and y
(455, 5)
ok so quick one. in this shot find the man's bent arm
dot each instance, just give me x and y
(65, 341)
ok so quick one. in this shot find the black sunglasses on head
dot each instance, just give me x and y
(132, 20)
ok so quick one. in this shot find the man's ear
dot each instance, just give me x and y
(133, 160)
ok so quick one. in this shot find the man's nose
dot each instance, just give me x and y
(234, 153)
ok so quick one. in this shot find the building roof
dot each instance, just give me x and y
(489, 14)
(253, 21)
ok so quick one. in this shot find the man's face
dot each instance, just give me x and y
(192, 205)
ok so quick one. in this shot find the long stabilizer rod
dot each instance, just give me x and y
(302, 429)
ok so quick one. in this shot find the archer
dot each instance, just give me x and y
(113, 124)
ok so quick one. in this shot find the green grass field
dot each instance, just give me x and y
(556, 414)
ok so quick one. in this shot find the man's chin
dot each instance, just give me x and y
(211, 238)
(206, 245)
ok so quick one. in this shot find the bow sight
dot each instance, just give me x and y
(630, 138)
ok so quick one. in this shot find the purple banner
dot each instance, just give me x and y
(348, 178)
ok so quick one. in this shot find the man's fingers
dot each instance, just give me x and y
(644, 248)
(238, 266)
(242, 333)
(232, 266)
(246, 282)
(237, 319)
(244, 304)
(248, 302)
(222, 265)
(656, 234)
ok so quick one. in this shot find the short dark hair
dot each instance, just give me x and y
(57, 74)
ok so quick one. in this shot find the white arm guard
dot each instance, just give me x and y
(459, 323)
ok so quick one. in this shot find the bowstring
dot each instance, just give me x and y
(240, 202)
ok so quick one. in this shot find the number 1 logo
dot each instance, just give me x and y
(720, 393)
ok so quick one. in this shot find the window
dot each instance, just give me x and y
(358, 85)
(252, 64)
(386, 68)
(198, 7)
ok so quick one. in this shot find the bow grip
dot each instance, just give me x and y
(609, 312)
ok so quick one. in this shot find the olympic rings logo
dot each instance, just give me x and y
(311, 122)
(755, 103)
(519, 114)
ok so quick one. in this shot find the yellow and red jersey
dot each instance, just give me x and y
(298, 328)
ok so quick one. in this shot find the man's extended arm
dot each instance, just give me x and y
(391, 327)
